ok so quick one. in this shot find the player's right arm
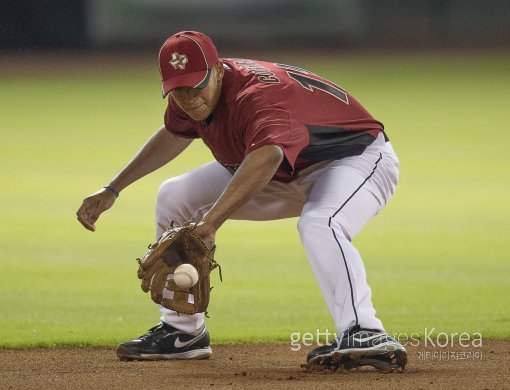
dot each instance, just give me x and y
(160, 149)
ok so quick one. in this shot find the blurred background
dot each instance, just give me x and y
(255, 24)
(80, 93)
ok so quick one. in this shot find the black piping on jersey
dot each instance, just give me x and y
(338, 242)
(334, 143)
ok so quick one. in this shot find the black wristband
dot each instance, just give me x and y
(110, 188)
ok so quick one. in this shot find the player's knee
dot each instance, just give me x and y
(314, 224)
(311, 224)
(165, 192)
(340, 225)
(170, 201)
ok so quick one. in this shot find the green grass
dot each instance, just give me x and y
(436, 257)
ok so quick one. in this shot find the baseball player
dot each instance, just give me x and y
(287, 143)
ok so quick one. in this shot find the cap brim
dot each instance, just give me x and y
(192, 80)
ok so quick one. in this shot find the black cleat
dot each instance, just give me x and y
(357, 348)
(164, 342)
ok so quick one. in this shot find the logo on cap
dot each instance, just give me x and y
(179, 61)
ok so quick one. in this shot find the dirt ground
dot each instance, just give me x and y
(251, 366)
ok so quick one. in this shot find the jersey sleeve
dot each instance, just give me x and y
(177, 123)
(266, 123)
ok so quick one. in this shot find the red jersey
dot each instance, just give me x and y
(310, 118)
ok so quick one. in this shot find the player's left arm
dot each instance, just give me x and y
(256, 170)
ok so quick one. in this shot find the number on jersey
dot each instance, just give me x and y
(311, 81)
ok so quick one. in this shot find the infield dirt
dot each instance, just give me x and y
(261, 366)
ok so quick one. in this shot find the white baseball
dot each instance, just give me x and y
(185, 276)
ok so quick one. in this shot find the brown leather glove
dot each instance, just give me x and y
(178, 245)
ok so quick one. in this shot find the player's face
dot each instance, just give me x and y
(200, 103)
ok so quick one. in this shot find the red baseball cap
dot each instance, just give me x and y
(185, 60)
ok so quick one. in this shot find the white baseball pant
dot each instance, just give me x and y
(333, 199)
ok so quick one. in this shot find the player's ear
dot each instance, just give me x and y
(220, 71)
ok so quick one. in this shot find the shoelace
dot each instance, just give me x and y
(155, 328)
(344, 334)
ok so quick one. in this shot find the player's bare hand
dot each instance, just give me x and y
(207, 232)
(93, 206)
